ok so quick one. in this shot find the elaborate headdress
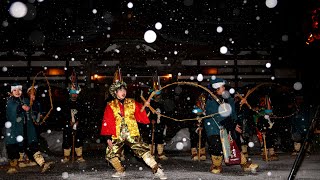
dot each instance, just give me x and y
(156, 84)
(268, 106)
(265, 104)
(74, 88)
(117, 83)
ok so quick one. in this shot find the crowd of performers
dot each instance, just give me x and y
(224, 135)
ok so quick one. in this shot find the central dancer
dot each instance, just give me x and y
(119, 126)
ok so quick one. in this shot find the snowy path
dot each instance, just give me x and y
(179, 166)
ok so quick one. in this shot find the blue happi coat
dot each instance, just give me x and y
(17, 118)
(229, 122)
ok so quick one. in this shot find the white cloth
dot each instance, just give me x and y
(16, 87)
(218, 84)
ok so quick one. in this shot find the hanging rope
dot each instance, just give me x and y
(183, 83)
(50, 97)
(249, 92)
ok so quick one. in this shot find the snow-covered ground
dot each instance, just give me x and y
(179, 166)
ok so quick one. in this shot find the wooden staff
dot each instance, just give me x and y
(149, 99)
(243, 101)
(152, 122)
(183, 83)
(199, 142)
(144, 100)
(265, 146)
(152, 137)
(50, 96)
(73, 133)
(73, 142)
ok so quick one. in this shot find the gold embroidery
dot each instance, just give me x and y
(129, 118)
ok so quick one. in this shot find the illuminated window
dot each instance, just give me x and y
(55, 72)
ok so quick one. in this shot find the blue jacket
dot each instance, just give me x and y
(15, 115)
(210, 124)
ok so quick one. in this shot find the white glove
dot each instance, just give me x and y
(158, 115)
(158, 120)
(197, 130)
(267, 117)
(74, 126)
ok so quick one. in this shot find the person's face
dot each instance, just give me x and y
(16, 92)
(121, 93)
(220, 90)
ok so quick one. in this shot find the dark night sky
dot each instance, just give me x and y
(54, 25)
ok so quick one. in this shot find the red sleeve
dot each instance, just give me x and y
(141, 117)
(108, 122)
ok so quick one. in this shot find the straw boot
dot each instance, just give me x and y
(13, 166)
(79, 155)
(247, 165)
(161, 154)
(194, 154)
(150, 161)
(116, 163)
(203, 155)
(216, 167)
(66, 154)
(244, 150)
(21, 161)
(273, 155)
(296, 147)
(41, 162)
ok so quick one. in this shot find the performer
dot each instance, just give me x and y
(300, 124)
(14, 127)
(19, 131)
(32, 144)
(217, 121)
(197, 135)
(36, 112)
(265, 126)
(157, 126)
(120, 127)
(73, 129)
(244, 115)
